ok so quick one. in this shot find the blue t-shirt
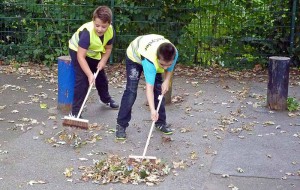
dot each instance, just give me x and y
(150, 71)
(84, 39)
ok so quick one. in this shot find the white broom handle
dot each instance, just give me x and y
(160, 97)
(87, 94)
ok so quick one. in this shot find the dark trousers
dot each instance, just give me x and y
(133, 74)
(82, 84)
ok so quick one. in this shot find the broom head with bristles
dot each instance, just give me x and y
(133, 158)
(76, 122)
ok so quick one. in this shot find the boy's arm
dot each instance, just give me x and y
(168, 75)
(150, 98)
(166, 84)
(150, 73)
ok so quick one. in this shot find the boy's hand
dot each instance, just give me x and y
(154, 115)
(165, 87)
(91, 78)
(101, 65)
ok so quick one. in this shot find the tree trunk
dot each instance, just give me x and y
(168, 95)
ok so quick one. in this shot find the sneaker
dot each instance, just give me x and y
(120, 132)
(113, 104)
(165, 128)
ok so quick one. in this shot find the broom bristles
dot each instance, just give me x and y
(76, 122)
(142, 157)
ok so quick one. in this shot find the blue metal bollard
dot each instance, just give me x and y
(66, 80)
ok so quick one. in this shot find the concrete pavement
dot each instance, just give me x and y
(223, 133)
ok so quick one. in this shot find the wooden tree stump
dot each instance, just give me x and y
(278, 82)
(168, 95)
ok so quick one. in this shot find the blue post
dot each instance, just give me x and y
(66, 80)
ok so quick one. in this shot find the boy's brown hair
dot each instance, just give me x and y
(104, 13)
(166, 51)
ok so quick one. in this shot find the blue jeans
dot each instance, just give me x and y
(133, 74)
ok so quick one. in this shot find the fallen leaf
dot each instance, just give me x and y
(166, 139)
(177, 99)
(184, 130)
(193, 155)
(195, 83)
(180, 165)
(43, 106)
(291, 114)
(35, 99)
(240, 170)
(68, 172)
(198, 93)
(269, 123)
(25, 119)
(284, 178)
(34, 121)
(81, 167)
(32, 182)
(52, 117)
(233, 187)
(83, 159)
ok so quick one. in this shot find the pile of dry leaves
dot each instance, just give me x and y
(115, 169)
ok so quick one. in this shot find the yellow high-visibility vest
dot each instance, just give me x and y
(146, 46)
(96, 45)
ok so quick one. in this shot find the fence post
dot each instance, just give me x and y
(292, 37)
(66, 81)
(112, 7)
(278, 82)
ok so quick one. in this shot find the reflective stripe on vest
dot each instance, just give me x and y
(146, 46)
(96, 46)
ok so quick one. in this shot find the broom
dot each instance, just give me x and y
(150, 158)
(76, 121)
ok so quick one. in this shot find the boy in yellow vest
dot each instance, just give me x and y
(152, 54)
(90, 48)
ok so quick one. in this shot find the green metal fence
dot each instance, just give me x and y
(227, 32)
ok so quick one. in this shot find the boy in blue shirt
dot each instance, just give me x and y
(154, 55)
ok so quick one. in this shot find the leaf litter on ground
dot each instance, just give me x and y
(40, 73)
(70, 137)
(115, 169)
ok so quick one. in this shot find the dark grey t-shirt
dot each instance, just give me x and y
(84, 39)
